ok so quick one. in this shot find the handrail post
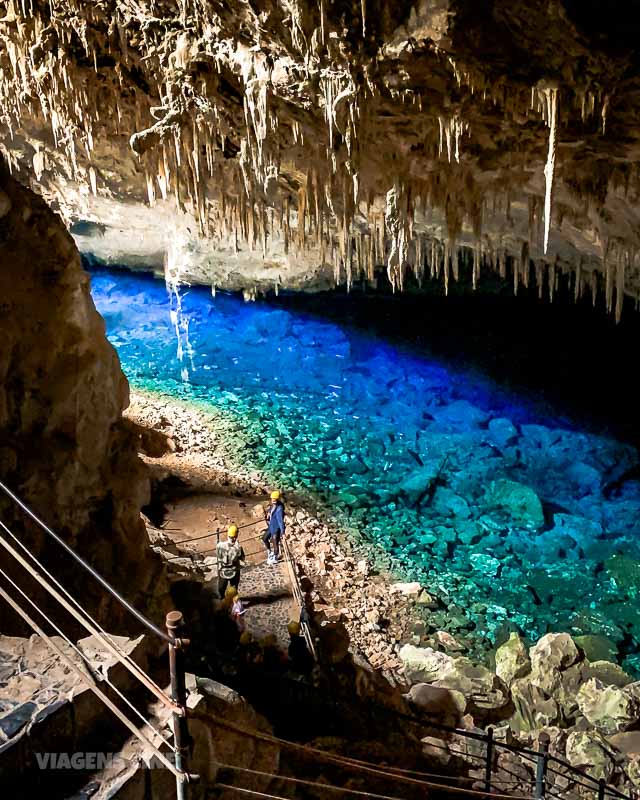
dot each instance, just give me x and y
(541, 765)
(602, 785)
(174, 622)
(488, 767)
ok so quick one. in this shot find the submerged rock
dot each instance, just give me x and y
(625, 571)
(502, 432)
(418, 483)
(486, 565)
(608, 673)
(520, 502)
(597, 648)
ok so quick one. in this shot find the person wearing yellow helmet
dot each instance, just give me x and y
(275, 527)
(231, 558)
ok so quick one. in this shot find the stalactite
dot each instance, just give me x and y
(623, 259)
(550, 100)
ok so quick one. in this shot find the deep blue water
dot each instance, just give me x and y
(361, 425)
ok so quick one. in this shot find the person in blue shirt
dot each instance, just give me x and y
(275, 528)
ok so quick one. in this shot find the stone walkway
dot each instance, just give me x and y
(265, 589)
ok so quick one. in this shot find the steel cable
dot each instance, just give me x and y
(81, 655)
(87, 682)
(86, 621)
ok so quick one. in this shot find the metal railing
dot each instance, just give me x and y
(545, 768)
(298, 596)
(176, 644)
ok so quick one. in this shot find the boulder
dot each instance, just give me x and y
(588, 750)
(571, 680)
(448, 503)
(459, 415)
(446, 704)
(633, 771)
(484, 691)
(449, 642)
(625, 571)
(419, 481)
(436, 750)
(597, 647)
(485, 564)
(627, 742)
(407, 589)
(512, 659)
(427, 601)
(608, 708)
(501, 432)
(520, 502)
(424, 664)
(533, 708)
(549, 656)
(610, 674)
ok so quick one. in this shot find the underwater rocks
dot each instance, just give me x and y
(521, 504)
(445, 478)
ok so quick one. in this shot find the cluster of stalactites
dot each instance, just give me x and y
(179, 143)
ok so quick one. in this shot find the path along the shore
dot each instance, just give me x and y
(265, 589)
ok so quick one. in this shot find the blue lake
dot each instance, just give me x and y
(527, 526)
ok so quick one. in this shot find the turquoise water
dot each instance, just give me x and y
(518, 533)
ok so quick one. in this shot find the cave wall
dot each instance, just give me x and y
(64, 447)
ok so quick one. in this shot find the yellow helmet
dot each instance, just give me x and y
(230, 592)
(275, 495)
(294, 628)
(232, 531)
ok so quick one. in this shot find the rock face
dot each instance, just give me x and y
(311, 141)
(63, 446)
(512, 659)
(608, 708)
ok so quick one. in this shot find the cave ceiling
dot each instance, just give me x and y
(300, 143)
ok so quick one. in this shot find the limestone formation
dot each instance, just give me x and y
(608, 708)
(554, 653)
(589, 750)
(308, 142)
(512, 659)
(64, 448)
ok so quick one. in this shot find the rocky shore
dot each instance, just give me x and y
(569, 688)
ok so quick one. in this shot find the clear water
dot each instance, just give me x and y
(361, 425)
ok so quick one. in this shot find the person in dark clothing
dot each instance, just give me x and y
(231, 558)
(275, 528)
(298, 652)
